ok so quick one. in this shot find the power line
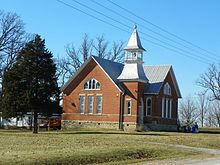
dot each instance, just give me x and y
(71, 6)
(158, 27)
(68, 5)
(125, 25)
(141, 25)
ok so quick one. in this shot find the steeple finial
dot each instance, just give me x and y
(134, 43)
(135, 26)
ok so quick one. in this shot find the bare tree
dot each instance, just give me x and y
(216, 112)
(210, 81)
(86, 47)
(203, 104)
(209, 122)
(188, 112)
(12, 39)
(213, 114)
(100, 47)
(77, 56)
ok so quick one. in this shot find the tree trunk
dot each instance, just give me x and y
(35, 123)
(31, 121)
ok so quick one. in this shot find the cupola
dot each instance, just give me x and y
(133, 67)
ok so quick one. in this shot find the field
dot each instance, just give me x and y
(88, 147)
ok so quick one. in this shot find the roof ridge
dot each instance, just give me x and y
(158, 65)
(100, 58)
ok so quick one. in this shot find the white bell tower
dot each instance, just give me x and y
(133, 68)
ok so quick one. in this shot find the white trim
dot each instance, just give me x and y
(167, 106)
(106, 73)
(175, 83)
(91, 104)
(170, 115)
(90, 83)
(81, 68)
(100, 105)
(92, 89)
(167, 89)
(83, 110)
(75, 75)
(146, 109)
(162, 108)
(126, 101)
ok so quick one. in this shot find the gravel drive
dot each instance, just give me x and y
(214, 160)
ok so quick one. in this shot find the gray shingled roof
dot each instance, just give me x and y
(112, 69)
(134, 42)
(155, 74)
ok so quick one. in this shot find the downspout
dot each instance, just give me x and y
(121, 116)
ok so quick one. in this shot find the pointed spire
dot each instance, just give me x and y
(133, 68)
(134, 43)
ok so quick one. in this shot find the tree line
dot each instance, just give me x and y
(204, 107)
(30, 77)
(200, 109)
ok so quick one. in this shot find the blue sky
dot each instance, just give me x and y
(197, 21)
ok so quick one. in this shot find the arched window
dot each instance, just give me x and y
(167, 89)
(92, 84)
(148, 110)
(86, 86)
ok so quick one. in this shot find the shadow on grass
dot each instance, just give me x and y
(115, 133)
(210, 132)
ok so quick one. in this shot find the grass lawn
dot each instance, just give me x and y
(210, 130)
(87, 147)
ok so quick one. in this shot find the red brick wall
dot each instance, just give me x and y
(157, 105)
(111, 99)
(110, 96)
(134, 92)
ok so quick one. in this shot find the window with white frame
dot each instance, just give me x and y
(99, 104)
(148, 110)
(92, 84)
(167, 89)
(81, 103)
(162, 113)
(128, 107)
(170, 115)
(166, 108)
(90, 104)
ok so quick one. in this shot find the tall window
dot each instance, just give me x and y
(92, 84)
(98, 104)
(81, 103)
(162, 108)
(90, 104)
(170, 115)
(167, 89)
(166, 109)
(128, 107)
(148, 106)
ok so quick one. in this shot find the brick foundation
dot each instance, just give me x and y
(128, 126)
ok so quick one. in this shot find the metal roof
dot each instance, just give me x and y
(133, 72)
(156, 73)
(134, 42)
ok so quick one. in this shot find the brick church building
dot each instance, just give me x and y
(129, 96)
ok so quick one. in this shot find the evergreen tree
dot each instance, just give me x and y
(31, 84)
